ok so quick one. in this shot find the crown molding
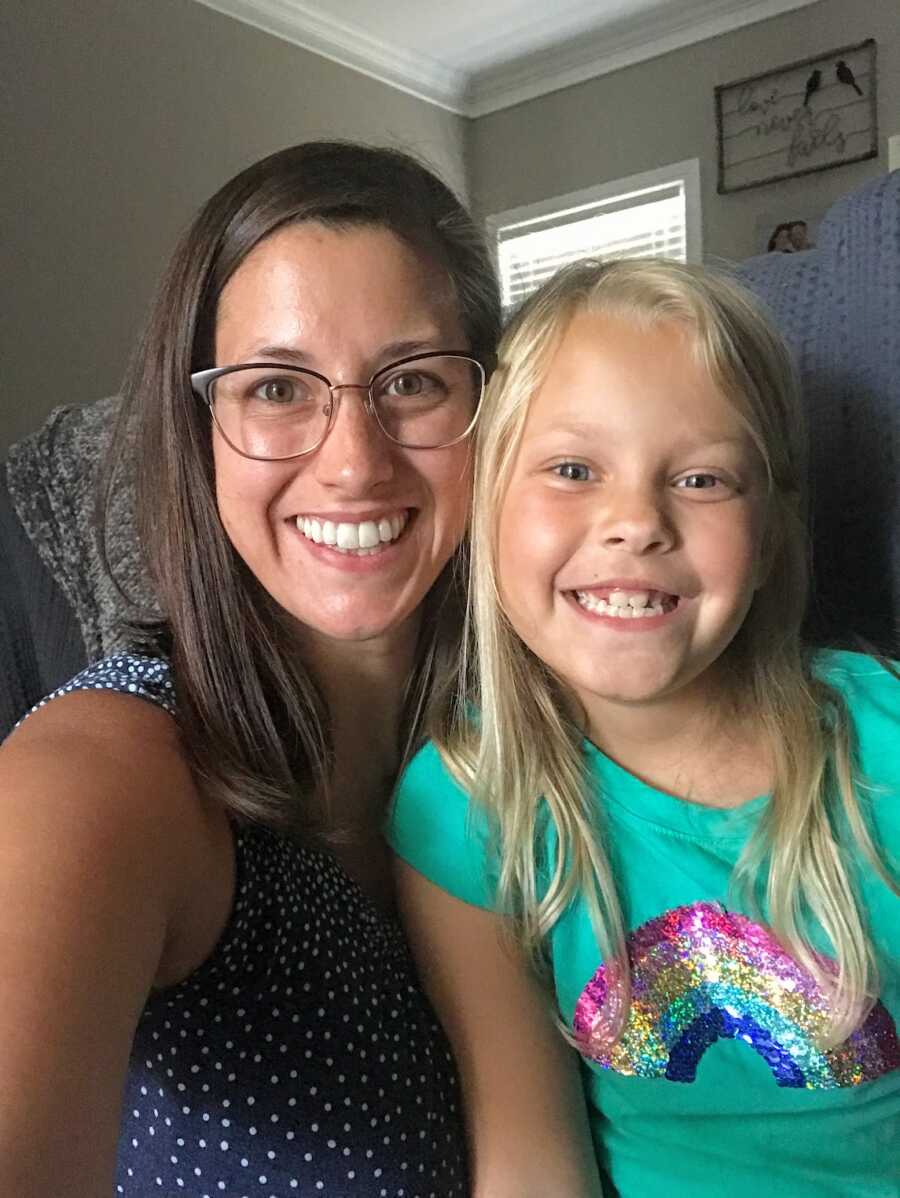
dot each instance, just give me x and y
(601, 51)
(394, 65)
(475, 94)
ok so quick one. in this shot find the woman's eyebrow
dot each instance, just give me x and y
(428, 343)
(418, 345)
(282, 353)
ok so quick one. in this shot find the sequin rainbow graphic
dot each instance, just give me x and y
(701, 974)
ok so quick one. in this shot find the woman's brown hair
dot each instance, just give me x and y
(253, 722)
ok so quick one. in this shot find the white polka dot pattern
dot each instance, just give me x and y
(301, 1058)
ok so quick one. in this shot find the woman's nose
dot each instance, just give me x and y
(355, 455)
(636, 521)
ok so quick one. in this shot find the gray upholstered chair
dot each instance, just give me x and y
(59, 607)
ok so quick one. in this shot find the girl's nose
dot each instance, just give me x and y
(355, 455)
(636, 521)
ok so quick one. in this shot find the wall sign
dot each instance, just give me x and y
(808, 116)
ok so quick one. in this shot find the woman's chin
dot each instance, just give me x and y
(357, 623)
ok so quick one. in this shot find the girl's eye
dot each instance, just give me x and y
(709, 483)
(573, 472)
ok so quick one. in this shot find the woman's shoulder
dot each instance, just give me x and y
(100, 760)
(115, 715)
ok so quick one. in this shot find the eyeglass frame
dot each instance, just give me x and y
(202, 380)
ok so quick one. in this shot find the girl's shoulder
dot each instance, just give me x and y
(870, 689)
(857, 673)
(436, 828)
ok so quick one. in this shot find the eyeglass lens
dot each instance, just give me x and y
(279, 411)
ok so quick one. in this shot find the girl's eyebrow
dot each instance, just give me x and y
(573, 428)
(697, 442)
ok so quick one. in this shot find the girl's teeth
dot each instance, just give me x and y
(635, 599)
(329, 533)
(633, 605)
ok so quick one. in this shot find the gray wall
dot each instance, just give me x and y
(662, 111)
(124, 115)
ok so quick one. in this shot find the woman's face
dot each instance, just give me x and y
(344, 302)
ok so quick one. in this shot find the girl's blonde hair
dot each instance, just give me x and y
(527, 745)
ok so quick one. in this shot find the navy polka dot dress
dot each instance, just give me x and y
(301, 1058)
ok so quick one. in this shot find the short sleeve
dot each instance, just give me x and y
(871, 690)
(435, 827)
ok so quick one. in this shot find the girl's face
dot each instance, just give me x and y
(343, 302)
(631, 533)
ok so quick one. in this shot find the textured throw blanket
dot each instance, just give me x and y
(52, 482)
(839, 308)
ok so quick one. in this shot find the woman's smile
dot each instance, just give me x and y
(350, 537)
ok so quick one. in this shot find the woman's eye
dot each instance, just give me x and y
(277, 391)
(573, 472)
(410, 384)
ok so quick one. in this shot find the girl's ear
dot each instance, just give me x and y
(781, 510)
(768, 550)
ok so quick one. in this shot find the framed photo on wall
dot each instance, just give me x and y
(808, 116)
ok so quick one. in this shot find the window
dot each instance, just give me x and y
(649, 215)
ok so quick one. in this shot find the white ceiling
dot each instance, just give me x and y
(476, 56)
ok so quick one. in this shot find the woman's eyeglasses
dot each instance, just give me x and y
(272, 412)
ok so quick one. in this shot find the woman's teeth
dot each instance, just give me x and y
(364, 538)
(628, 605)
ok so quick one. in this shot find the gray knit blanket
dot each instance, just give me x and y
(52, 482)
(839, 308)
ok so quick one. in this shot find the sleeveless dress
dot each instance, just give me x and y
(301, 1058)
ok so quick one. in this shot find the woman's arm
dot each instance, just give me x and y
(102, 843)
(524, 1104)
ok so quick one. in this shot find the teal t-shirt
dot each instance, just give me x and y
(717, 1088)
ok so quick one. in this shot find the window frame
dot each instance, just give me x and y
(686, 172)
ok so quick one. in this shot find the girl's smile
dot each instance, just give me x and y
(630, 540)
(628, 605)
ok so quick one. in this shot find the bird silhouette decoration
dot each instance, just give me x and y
(813, 83)
(845, 75)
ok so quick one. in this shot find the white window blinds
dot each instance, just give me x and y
(649, 221)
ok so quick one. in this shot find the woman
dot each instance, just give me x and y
(195, 912)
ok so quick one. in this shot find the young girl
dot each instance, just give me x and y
(689, 820)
